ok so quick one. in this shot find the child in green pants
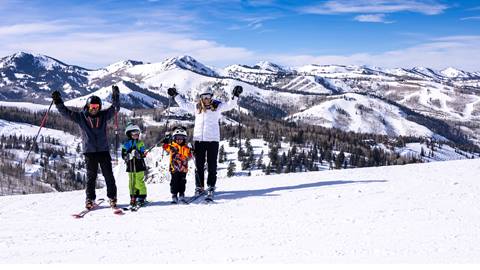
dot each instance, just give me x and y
(133, 152)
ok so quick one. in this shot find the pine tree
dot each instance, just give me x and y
(221, 154)
(339, 160)
(231, 169)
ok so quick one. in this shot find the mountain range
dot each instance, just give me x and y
(401, 101)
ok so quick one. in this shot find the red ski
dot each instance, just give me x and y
(86, 211)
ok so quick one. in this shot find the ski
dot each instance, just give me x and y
(134, 208)
(117, 211)
(86, 211)
(195, 197)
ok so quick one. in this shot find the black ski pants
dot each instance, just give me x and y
(206, 151)
(92, 160)
(178, 182)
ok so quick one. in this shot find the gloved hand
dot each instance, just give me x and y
(133, 154)
(167, 138)
(237, 90)
(56, 97)
(172, 92)
(115, 92)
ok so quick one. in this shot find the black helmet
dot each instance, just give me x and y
(93, 100)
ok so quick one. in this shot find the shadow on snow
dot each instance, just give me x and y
(239, 194)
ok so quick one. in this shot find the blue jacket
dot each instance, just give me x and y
(92, 128)
(139, 164)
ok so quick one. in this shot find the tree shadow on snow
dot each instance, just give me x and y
(238, 194)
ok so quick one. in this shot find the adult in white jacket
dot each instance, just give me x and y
(206, 132)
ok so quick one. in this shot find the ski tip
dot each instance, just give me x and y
(77, 216)
(118, 212)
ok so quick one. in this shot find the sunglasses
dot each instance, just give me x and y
(135, 133)
(94, 106)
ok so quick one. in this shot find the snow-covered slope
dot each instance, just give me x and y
(358, 113)
(422, 213)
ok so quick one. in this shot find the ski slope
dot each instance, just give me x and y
(418, 213)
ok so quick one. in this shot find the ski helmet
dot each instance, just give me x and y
(207, 91)
(179, 133)
(131, 128)
(94, 100)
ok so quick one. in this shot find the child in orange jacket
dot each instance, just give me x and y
(180, 153)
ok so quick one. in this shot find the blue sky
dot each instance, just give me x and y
(387, 33)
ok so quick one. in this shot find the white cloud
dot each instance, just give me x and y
(427, 7)
(94, 50)
(457, 51)
(377, 18)
(471, 18)
(33, 28)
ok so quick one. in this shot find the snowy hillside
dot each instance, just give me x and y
(357, 113)
(422, 213)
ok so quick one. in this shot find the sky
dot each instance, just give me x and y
(384, 33)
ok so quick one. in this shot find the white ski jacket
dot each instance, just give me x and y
(207, 124)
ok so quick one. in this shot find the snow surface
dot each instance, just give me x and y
(419, 213)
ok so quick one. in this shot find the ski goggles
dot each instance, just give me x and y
(179, 137)
(94, 106)
(206, 96)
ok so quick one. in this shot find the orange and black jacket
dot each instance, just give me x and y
(179, 156)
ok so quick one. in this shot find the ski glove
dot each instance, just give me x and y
(134, 154)
(57, 99)
(166, 139)
(172, 92)
(237, 90)
(115, 92)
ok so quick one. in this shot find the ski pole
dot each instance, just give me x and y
(116, 130)
(239, 126)
(168, 118)
(44, 120)
(131, 178)
(116, 136)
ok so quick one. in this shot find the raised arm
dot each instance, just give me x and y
(187, 106)
(223, 107)
(63, 110)
(110, 112)
(227, 106)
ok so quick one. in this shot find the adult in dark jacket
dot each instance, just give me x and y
(93, 126)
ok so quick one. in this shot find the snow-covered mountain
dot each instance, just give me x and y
(419, 213)
(449, 95)
(27, 77)
(358, 113)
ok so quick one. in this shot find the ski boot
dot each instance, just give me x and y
(199, 190)
(133, 201)
(140, 201)
(113, 203)
(182, 198)
(174, 199)
(89, 204)
(210, 191)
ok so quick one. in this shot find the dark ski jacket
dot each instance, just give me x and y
(92, 128)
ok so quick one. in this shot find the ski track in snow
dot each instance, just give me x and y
(419, 213)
